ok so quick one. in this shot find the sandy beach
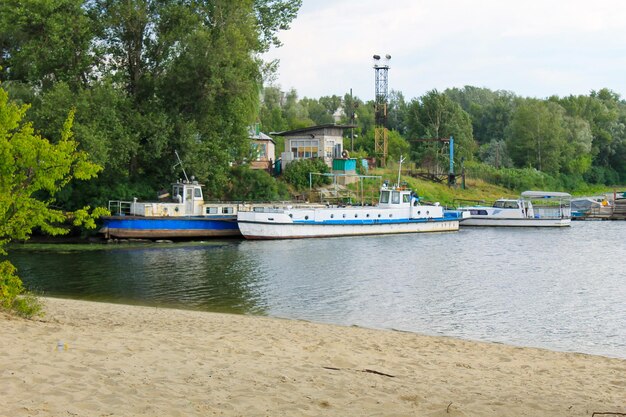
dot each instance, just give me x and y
(97, 359)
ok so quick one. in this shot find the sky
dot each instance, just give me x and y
(533, 48)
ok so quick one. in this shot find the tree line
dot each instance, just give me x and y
(143, 78)
(571, 140)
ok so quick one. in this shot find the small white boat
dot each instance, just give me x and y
(533, 208)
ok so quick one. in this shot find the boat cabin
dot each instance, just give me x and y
(525, 206)
(186, 200)
(396, 198)
(189, 193)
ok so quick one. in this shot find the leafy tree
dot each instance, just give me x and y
(495, 153)
(318, 113)
(436, 116)
(490, 111)
(43, 42)
(536, 136)
(397, 146)
(397, 112)
(576, 155)
(32, 170)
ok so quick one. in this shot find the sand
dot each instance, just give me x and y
(119, 360)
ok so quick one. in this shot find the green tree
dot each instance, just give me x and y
(32, 171)
(436, 116)
(536, 137)
(43, 42)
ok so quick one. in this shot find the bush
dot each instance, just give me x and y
(255, 185)
(297, 173)
(13, 297)
(519, 179)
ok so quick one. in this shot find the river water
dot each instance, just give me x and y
(562, 289)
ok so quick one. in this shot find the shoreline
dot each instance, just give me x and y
(124, 360)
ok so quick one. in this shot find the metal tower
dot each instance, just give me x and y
(380, 107)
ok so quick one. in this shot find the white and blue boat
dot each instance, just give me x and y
(532, 209)
(184, 216)
(398, 211)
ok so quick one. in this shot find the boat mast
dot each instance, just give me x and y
(399, 171)
(181, 165)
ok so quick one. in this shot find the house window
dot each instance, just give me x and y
(303, 148)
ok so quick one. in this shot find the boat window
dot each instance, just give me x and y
(395, 197)
(511, 204)
(384, 197)
(197, 193)
(406, 198)
(478, 212)
(211, 210)
(188, 194)
(227, 210)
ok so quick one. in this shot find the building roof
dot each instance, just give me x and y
(311, 128)
(260, 136)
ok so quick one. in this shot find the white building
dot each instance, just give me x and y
(324, 141)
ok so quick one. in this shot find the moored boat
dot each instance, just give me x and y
(185, 215)
(398, 211)
(533, 208)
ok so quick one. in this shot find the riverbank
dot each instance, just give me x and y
(119, 360)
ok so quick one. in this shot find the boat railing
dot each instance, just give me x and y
(552, 212)
(120, 208)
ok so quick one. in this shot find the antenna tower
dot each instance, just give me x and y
(380, 107)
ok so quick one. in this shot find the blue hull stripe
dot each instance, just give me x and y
(176, 223)
(368, 221)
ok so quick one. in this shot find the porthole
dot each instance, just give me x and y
(291, 215)
(356, 215)
(391, 215)
(344, 215)
(306, 217)
(367, 215)
(427, 213)
(332, 216)
(379, 215)
(419, 212)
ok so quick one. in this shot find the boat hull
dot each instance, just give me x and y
(266, 230)
(137, 227)
(522, 222)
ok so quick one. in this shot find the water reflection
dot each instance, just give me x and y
(196, 277)
(560, 289)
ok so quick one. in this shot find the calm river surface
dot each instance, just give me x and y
(559, 289)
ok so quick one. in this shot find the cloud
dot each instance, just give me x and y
(536, 48)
